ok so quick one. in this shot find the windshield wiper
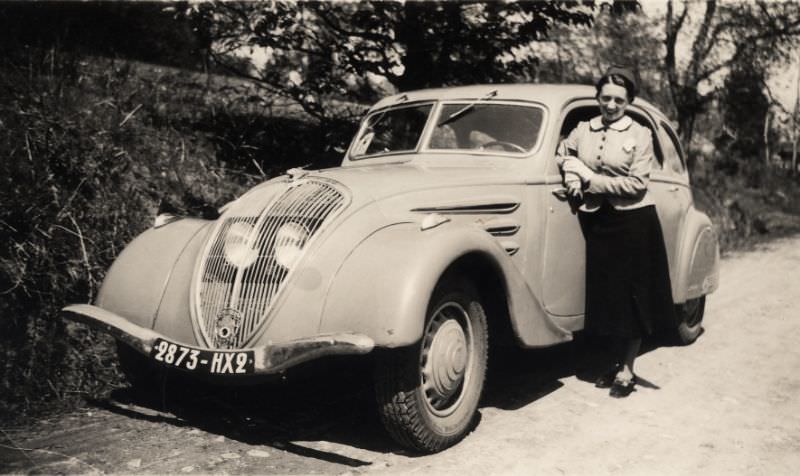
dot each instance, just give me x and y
(466, 108)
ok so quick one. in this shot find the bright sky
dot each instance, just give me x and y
(782, 81)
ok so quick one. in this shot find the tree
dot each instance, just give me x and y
(316, 50)
(622, 36)
(745, 107)
(729, 34)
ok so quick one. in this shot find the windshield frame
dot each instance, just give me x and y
(383, 110)
(431, 123)
(494, 102)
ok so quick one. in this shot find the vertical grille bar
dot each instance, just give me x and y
(308, 204)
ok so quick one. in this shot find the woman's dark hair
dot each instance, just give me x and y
(620, 78)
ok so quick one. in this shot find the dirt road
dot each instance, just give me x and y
(729, 404)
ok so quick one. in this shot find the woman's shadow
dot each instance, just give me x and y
(522, 376)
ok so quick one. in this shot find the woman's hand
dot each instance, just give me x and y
(573, 185)
(574, 189)
(577, 167)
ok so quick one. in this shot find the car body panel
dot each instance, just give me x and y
(417, 259)
(136, 283)
(405, 219)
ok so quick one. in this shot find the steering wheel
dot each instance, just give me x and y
(505, 145)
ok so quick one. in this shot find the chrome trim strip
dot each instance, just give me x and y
(502, 230)
(499, 207)
(269, 358)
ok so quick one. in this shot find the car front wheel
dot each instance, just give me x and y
(428, 393)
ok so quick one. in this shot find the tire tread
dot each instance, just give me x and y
(395, 388)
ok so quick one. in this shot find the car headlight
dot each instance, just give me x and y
(238, 249)
(289, 242)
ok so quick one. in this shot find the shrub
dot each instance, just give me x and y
(90, 146)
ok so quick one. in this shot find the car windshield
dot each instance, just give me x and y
(392, 131)
(487, 127)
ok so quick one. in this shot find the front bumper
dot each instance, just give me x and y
(269, 358)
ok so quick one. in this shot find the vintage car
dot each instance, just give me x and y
(446, 220)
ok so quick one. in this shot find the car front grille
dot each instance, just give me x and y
(239, 296)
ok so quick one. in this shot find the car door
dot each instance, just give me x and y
(669, 186)
(564, 254)
(563, 260)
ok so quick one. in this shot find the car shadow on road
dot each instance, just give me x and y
(330, 400)
(520, 377)
(333, 400)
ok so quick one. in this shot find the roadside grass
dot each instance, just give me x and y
(91, 146)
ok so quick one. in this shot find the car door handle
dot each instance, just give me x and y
(674, 188)
(560, 193)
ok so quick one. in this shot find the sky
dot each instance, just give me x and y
(782, 81)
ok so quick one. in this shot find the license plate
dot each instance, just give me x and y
(214, 362)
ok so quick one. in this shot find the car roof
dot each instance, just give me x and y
(551, 95)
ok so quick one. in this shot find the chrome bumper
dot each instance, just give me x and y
(269, 358)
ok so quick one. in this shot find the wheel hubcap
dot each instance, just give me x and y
(446, 358)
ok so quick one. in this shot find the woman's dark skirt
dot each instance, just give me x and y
(628, 291)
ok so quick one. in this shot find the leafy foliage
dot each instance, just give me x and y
(146, 31)
(317, 50)
(91, 146)
(727, 35)
(580, 54)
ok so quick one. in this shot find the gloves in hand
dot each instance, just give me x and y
(572, 182)
(575, 166)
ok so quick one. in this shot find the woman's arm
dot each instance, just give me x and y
(635, 183)
(568, 148)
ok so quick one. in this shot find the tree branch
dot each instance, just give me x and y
(322, 14)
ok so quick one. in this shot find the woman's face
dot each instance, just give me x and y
(613, 100)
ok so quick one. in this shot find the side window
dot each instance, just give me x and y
(585, 113)
(579, 114)
(642, 120)
(673, 160)
(574, 116)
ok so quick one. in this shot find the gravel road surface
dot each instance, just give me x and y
(728, 404)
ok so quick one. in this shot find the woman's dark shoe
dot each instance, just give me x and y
(622, 388)
(607, 379)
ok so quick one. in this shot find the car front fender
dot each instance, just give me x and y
(149, 282)
(384, 286)
(698, 261)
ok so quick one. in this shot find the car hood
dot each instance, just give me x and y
(374, 182)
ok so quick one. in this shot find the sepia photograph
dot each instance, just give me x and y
(294, 237)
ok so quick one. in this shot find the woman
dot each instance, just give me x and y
(606, 164)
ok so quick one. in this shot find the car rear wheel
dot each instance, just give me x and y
(690, 320)
(428, 393)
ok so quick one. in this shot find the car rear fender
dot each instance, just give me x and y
(383, 287)
(159, 260)
(698, 262)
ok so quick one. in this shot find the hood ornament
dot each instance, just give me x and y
(296, 173)
(227, 327)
